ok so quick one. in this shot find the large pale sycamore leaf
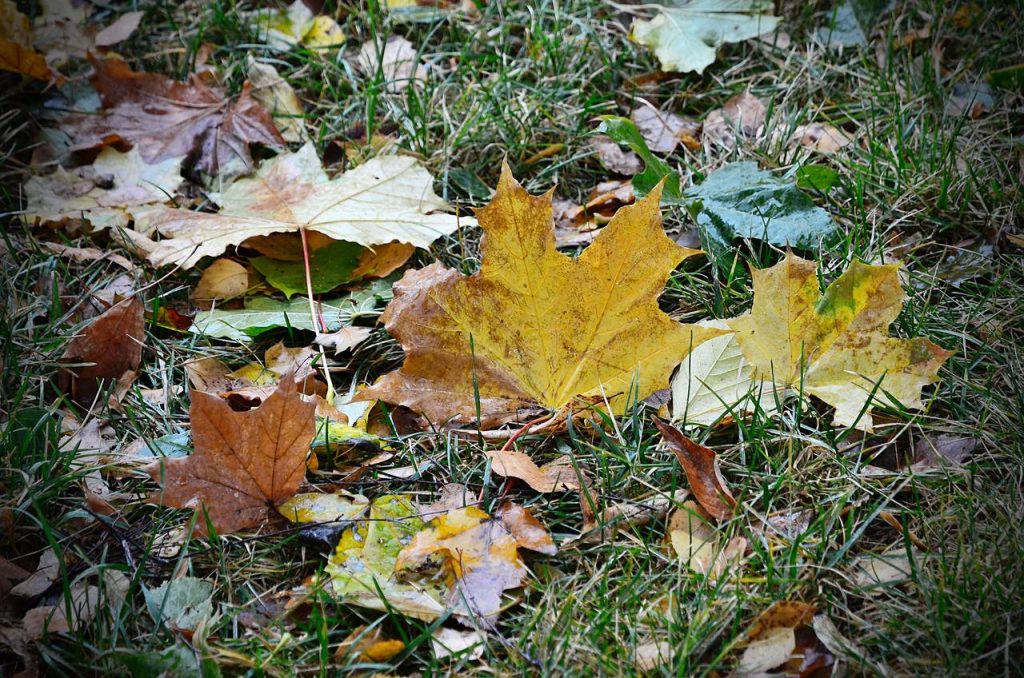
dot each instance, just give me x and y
(534, 326)
(835, 345)
(388, 199)
(685, 37)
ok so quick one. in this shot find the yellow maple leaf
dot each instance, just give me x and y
(534, 326)
(835, 345)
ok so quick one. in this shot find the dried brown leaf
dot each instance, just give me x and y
(110, 346)
(702, 472)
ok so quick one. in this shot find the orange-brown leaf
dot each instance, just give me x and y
(702, 472)
(110, 346)
(244, 463)
(164, 118)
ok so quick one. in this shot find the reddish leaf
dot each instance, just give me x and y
(244, 463)
(164, 118)
(701, 466)
(111, 345)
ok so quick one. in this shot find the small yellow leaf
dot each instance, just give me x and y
(223, 279)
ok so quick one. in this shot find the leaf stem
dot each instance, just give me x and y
(318, 321)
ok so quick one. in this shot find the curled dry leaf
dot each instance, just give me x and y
(164, 118)
(243, 463)
(743, 114)
(697, 543)
(533, 326)
(821, 137)
(702, 472)
(389, 198)
(782, 641)
(275, 95)
(107, 348)
(398, 63)
(82, 254)
(555, 476)
(664, 130)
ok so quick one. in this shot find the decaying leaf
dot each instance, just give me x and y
(685, 36)
(942, 451)
(821, 137)
(180, 604)
(702, 472)
(244, 462)
(107, 348)
(697, 544)
(613, 158)
(651, 655)
(533, 326)
(782, 641)
(263, 313)
(314, 507)
(716, 381)
(835, 346)
(368, 645)
(387, 199)
(479, 556)
(398, 63)
(120, 30)
(362, 567)
(878, 571)
(16, 52)
(622, 515)
(164, 118)
(743, 115)
(297, 25)
(103, 194)
(664, 130)
(741, 200)
(344, 339)
(46, 573)
(452, 643)
(555, 476)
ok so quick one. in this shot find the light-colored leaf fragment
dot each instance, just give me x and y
(398, 63)
(650, 656)
(685, 37)
(389, 198)
(456, 644)
(316, 507)
(223, 279)
(181, 604)
(106, 193)
(46, 573)
(763, 655)
(278, 97)
(534, 326)
(556, 476)
(715, 380)
(835, 346)
(120, 30)
(821, 137)
(664, 130)
(344, 339)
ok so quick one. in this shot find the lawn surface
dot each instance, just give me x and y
(938, 190)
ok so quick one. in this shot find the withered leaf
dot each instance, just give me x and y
(702, 472)
(107, 348)
(164, 118)
(534, 326)
(244, 463)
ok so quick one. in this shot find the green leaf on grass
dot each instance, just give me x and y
(329, 267)
(180, 604)
(817, 178)
(262, 314)
(743, 201)
(685, 38)
(623, 131)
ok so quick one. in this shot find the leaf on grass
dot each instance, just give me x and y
(16, 52)
(613, 158)
(835, 346)
(742, 201)
(455, 644)
(477, 556)
(398, 63)
(875, 572)
(533, 326)
(782, 641)
(244, 462)
(362, 567)
(344, 339)
(120, 30)
(942, 451)
(716, 381)
(180, 604)
(842, 28)
(624, 131)
(368, 645)
(702, 472)
(697, 544)
(387, 199)
(262, 314)
(107, 348)
(664, 130)
(296, 25)
(277, 96)
(821, 137)
(743, 115)
(46, 573)
(555, 476)
(164, 118)
(104, 193)
(316, 507)
(685, 37)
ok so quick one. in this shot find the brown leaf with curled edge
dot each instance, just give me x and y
(534, 326)
(164, 118)
(554, 476)
(108, 347)
(702, 472)
(244, 463)
(782, 641)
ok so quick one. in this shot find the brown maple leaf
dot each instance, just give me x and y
(165, 118)
(107, 348)
(244, 463)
